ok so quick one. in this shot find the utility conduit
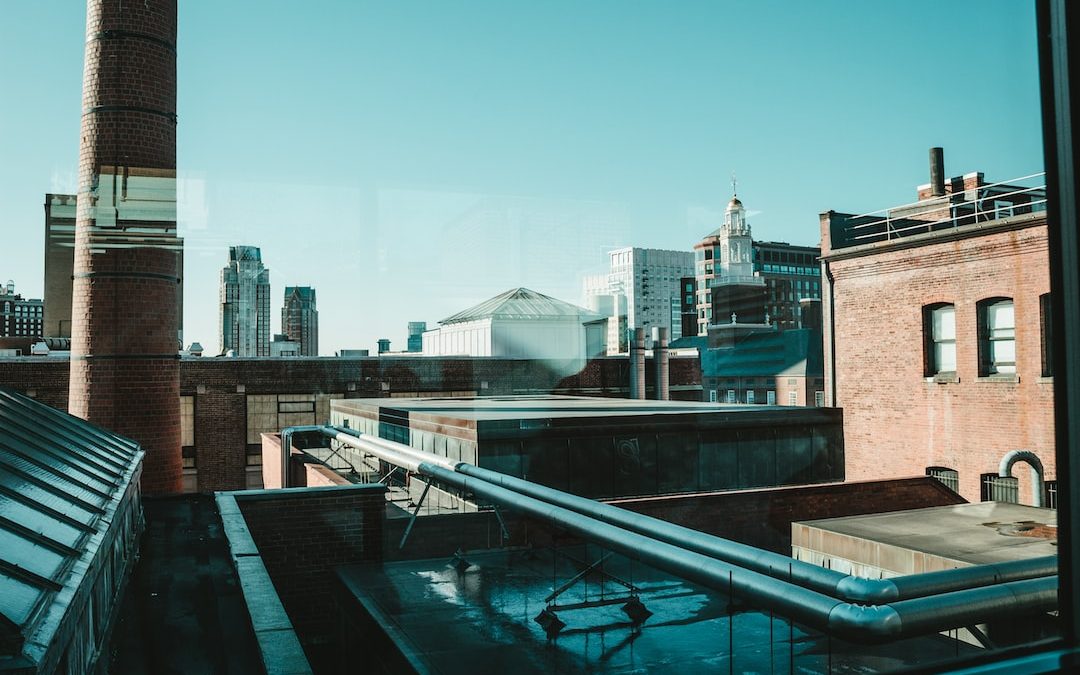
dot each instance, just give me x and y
(944, 603)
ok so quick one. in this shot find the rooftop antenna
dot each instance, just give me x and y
(734, 183)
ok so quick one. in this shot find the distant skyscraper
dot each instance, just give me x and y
(300, 319)
(245, 303)
(644, 285)
(416, 336)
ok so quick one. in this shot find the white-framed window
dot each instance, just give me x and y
(750, 396)
(819, 398)
(730, 395)
(712, 396)
(793, 398)
(770, 397)
(939, 337)
(997, 337)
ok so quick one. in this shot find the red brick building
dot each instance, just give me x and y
(227, 404)
(936, 319)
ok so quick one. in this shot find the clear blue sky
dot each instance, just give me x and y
(410, 159)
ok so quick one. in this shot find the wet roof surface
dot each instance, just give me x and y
(183, 611)
(58, 477)
(482, 620)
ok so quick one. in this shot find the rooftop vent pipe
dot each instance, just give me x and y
(1005, 471)
(637, 364)
(937, 172)
(661, 358)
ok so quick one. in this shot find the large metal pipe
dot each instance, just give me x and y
(286, 448)
(637, 364)
(1037, 486)
(662, 363)
(861, 622)
(833, 583)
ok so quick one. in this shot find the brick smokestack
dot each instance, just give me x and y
(125, 372)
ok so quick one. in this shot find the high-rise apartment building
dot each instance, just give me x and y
(644, 285)
(245, 303)
(19, 316)
(300, 319)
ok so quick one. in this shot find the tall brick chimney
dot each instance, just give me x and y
(125, 372)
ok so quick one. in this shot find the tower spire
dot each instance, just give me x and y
(734, 185)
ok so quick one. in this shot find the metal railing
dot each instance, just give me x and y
(979, 204)
(997, 488)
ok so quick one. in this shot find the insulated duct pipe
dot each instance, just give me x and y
(830, 582)
(820, 579)
(286, 448)
(1037, 485)
(850, 621)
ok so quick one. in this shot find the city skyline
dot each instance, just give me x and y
(626, 135)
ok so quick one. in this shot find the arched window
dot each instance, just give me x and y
(997, 337)
(939, 339)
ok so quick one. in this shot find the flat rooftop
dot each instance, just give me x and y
(435, 618)
(537, 412)
(539, 407)
(984, 532)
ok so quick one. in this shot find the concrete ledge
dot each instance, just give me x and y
(279, 647)
(287, 493)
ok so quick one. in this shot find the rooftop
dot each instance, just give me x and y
(979, 533)
(767, 353)
(975, 205)
(521, 303)
(481, 619)
(543, 407)
(61, 482)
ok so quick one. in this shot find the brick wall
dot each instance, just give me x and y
(759, 518)
(763, 518)
(302, 534)
(896, 421)
(220, 388)
(124, 310)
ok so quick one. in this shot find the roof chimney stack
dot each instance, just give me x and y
(937, 172)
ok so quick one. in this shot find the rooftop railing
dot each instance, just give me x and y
(984, 203)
